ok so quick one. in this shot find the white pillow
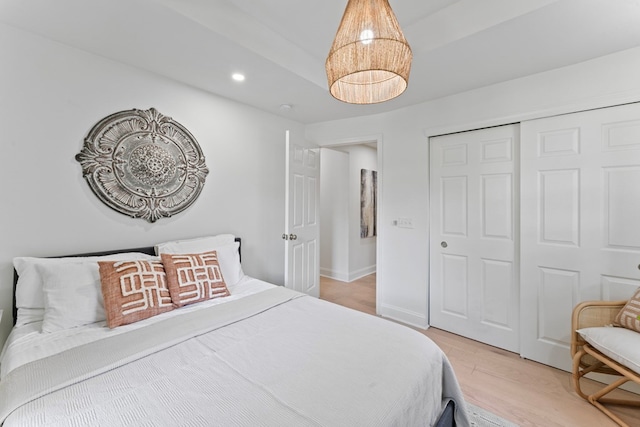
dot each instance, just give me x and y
(229, 260)
(194, 246)
(224, 244)
(29, 292)
(72, 295)
(620, 344)
(29, 315)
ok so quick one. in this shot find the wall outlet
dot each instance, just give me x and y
(405, 222)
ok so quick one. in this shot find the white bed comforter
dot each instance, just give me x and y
(274, 358)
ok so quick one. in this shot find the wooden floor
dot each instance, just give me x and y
(524, 392)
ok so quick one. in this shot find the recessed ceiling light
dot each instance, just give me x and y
(238, 77)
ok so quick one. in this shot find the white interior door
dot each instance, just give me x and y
(580, 212)
(473, 235)
(302, 221)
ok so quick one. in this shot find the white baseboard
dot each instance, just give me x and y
(417, 320)
(336, 275)
(355, 275)
(347, 276)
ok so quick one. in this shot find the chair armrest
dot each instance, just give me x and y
(589, 314)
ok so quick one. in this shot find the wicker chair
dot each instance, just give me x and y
(586, 359)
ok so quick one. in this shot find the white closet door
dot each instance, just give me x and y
(580, 191)
(473, 235)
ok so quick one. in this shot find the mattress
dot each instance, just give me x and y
(266, 356)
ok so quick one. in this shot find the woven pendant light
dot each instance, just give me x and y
(370, 59)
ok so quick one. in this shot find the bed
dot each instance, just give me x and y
(258, 355)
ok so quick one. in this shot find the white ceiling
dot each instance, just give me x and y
(281, 45)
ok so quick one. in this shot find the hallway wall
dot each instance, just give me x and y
(344, 255)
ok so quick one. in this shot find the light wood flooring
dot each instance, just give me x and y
(524, 392)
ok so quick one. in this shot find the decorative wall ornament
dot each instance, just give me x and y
(143, 164)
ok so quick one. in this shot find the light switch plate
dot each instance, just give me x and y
(405, 222)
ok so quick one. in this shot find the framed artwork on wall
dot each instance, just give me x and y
(368, 201)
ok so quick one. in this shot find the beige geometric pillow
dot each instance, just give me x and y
(629, 316)
(133, 290)
(194, 277)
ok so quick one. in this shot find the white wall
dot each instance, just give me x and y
(402, 272)
(334, 214)
(344, 254)
(50, 97)
(362, 252)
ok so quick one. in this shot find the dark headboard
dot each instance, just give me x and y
(149, 250)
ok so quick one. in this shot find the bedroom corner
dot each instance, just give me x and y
(51, 99)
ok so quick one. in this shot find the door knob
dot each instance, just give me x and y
(285, 237)
(293, 237)
(443, 244)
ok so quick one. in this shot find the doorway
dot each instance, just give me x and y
(347, 258)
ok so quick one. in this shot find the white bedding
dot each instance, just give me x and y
(264, 356)
(26, 343)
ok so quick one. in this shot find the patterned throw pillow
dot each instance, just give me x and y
(194, 277)
(133, 290)
(629, 316)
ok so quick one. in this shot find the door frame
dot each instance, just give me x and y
(361, 140)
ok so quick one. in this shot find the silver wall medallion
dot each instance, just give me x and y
(143, 164)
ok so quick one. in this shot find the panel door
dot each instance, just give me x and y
(302, 222)
(580, 212)
(473, 235)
